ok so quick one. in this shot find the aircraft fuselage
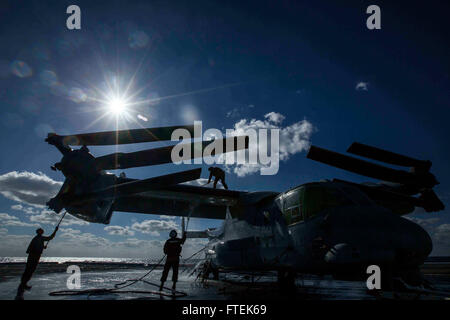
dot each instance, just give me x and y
(342, 240)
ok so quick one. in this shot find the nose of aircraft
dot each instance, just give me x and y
(413, 244)
(378, 236)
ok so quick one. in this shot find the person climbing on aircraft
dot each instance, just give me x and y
(172, 248)
(34, 251)
(218, 174)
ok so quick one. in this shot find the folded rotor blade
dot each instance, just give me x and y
(370, 169)
(387, 156)
(139, 186)
(431, 201)
(164, 154)
(122, 136)
(399, 202)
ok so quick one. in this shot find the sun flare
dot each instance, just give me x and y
(117, 106)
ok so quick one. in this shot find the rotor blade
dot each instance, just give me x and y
(387, 156)
(431, 201)
(164, 154)
(139, 186)
(122, 136)
(397, 202)
(369, 169)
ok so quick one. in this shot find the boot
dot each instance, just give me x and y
(19, 295)
(161, 286)
(174, 287)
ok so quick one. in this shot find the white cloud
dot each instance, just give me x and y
(14, 245)
(139, 243)
(441, 239)
(84, 239)
(164, 217)
(294, 139)
(154, 227)
(49, 217)
(27, 210)
(424, 222)
(46, 216)
(233, 113)
(74, 243)
(440, 233)
(119, 231)
(364, 86)
(70, 242)
(275, 117)
(13, 221)
(28, 187)
(69, 230)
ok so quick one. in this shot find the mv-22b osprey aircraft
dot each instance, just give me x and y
(328, 227)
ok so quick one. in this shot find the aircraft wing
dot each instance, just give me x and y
(181, 200)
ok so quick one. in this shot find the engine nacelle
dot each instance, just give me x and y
(97, 212)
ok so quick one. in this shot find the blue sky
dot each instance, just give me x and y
(303, 61)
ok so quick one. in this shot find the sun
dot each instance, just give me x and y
(117, 105)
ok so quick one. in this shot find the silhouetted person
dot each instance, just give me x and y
(207, 269)
(34, 251)
(172, 248)
(218, 174)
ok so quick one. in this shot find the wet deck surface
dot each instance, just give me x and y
(53, 277)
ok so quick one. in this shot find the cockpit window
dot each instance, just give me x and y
(307, 201)
(318, 198)
(292, 210)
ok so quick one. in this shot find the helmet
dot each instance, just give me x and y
(173, 234)
(39, 231)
